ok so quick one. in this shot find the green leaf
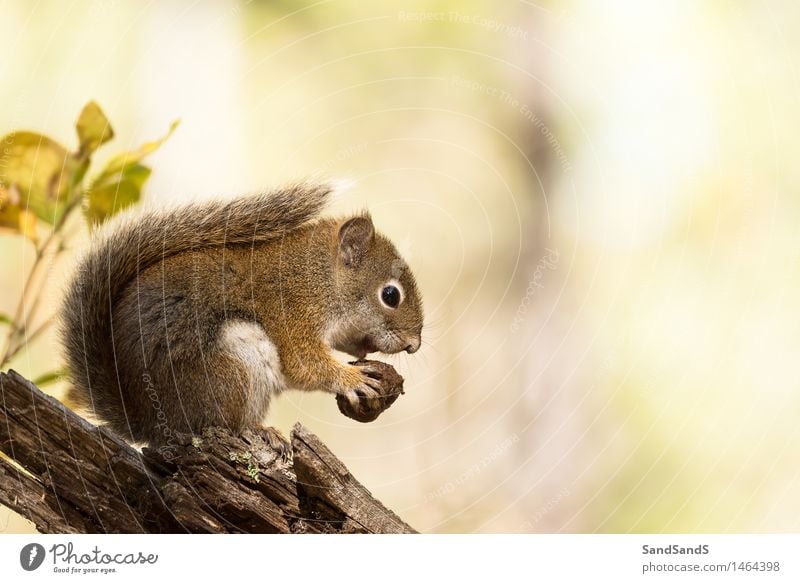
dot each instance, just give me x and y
(135, 173)
(49, 378)
(41, 171)
(120, 183)
(115, 192)
(93, 128)
(120, 161)
(5, 319)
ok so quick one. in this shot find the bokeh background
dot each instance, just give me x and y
(599, 201)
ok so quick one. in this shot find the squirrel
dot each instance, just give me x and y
(182, 319)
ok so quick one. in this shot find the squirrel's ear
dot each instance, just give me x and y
(355, 239)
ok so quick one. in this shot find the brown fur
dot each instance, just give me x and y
(144, 316)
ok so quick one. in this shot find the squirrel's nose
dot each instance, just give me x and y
(413, 346)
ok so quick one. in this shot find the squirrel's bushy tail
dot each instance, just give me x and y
(134, 244)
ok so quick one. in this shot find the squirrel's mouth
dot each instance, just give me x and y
(364, 347)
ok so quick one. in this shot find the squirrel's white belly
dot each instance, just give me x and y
(249, 343)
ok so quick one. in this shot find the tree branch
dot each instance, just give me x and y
(67, 475)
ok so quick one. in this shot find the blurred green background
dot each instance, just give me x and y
(598, 199)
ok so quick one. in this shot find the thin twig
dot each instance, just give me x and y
(37, 297)
(19, 324)
(29, 338)
(13, 329)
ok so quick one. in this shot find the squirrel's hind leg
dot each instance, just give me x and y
(184, 367)
(247, 347)
(251, 358)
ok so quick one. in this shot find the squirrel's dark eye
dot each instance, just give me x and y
(390, 296)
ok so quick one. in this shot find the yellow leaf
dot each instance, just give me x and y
(42, 171)
(93, 128)
(27, 224)
(9, 218)
(9, 210)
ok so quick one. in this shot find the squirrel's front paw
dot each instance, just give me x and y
(378, 386)
(366, 390)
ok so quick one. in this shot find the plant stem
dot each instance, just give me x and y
(37, 298)
(28, 339)
(18, 328)
(15, 327)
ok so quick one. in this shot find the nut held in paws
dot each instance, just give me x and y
(368, 409)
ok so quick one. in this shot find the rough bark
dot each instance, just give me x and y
(67, 475)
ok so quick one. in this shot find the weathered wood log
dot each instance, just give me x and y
(67, 475)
